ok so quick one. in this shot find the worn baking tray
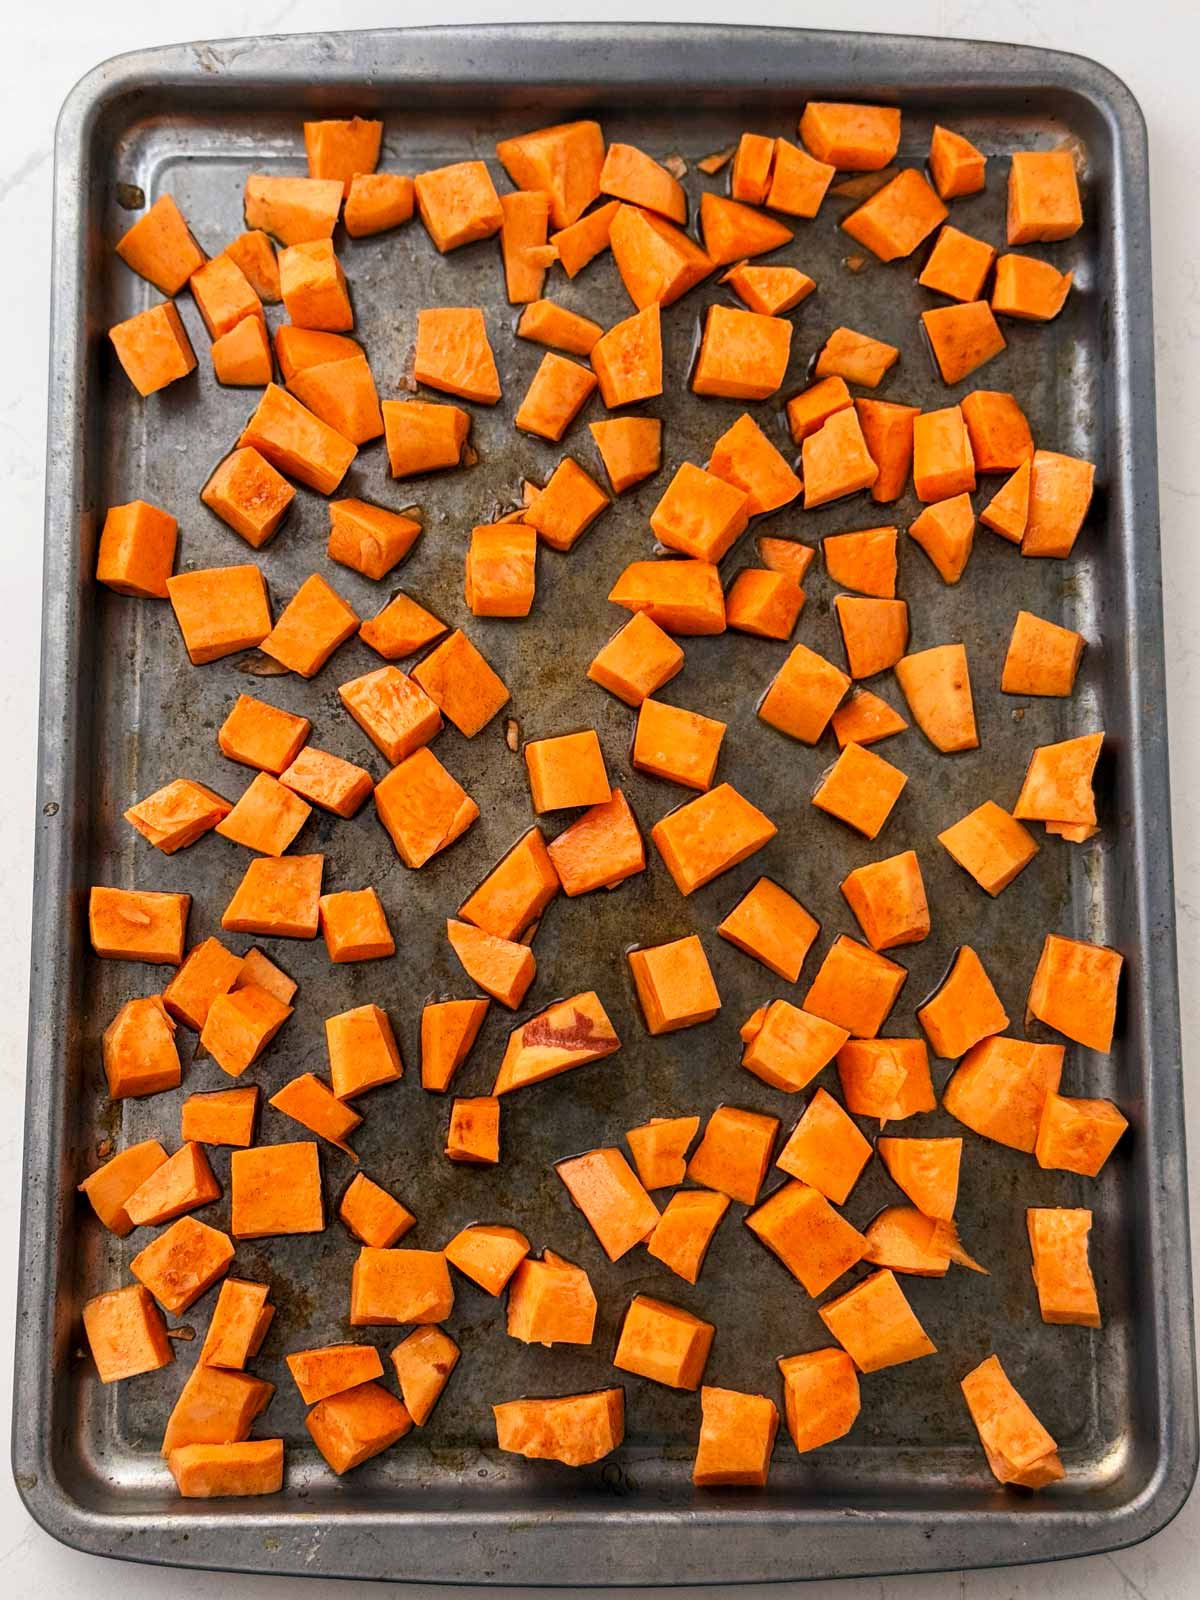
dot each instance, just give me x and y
(122, 712)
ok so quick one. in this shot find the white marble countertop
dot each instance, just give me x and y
(1151, 45)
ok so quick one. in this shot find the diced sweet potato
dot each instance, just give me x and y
(500, 570)
(773, 927)
(351, 1427)
(392, 1287)
(825, 1149)
(248, 495)
(423, 436)
(293, 210)
(1058, 1246)
(799, 182)
(354, 926)
(998, 430)
(943, 464)
(453, 353)
(222, 1116)
(502, 968)
(137, 550)
(241, 358)
(372, 1215)
(1042, 657)
(860, 789)
(855, 988)
(657, 262)
(139, 1049)
(945, 531)
(659, 1148)
(630, 448)
(1043, 197)
(1018, 1448)
(734, 1153)
(176, 816)
(957, 167)
(962, 338)
(568, 505)
(835, 460)
(769, 290)
(874, 632)
(743, 356)
(789, 1047)
(297, 442)
(126, 1334)
(458, 204)
(674, 985)
(332, 1369)
(732, 231)
(865, 561)
(576, 1429)
(886, 1078)
(821, 1399)
(927, 1171)
(583, 240)
(564, 161)
(636, 661)
(897, 217)
(138, 924)
(474, 1133)
(277, 898)
(362, 1051)
(239, 1324)
(811, 409)
(558, 392)
(888, 899)
(678, 745)
(401, 629)
(1033, 290)
(327, 781)
(179, 1264)
(267, 817)
(566, 1035)
(905, 1240)
(937, 687)
(684, 1231)
(601, 849)
(1000, 1086)
(368, 538)
(153, 348)
(958, 265)
(423, 1363)
(448, 1030)
(664, 1343)
(746, 459)
(855, 357)
(852, 138)
(700, 514)
(1060, 492)
(887, 430)
(566, 771)
(423, 808)
(550, 1302)
(160, 248)
(737, 1435)
(964, 1009)
(813, 1241)
(523, 246)
(377, 201)
(182, 1183)
(709, 835)
(392, 710)
(627, 360)
(261, 735)
(313, 1104)
(630, 174)
(488, 1255)
(213, 1471)
(803, 695)
(112, 1184)
(276, 1189)
(876, 1325)
(680, 596)
(220, 610)
(863, 718)
(606, 1189)
(991, 845)
(1075, 1135)
(750, 175)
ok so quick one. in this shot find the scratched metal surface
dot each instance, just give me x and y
(142, 715)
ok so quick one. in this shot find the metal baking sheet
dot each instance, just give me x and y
(123, 712)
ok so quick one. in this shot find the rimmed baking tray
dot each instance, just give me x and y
(122, 712)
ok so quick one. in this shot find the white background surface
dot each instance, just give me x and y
(1152, 45)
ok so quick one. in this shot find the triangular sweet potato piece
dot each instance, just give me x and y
(500, 967)
(864, 561)
(733, 231)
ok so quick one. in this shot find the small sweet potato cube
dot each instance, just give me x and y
(799, 182)
(500, 575)
(927, 1171)
(551, 1302)
(563, 161)
(1018, 1448)
(684, 1232)
(216, 1405)
(392, 710)
(813, 1241)
(958, 265)
(860, 789)
(223, 295)
(546, 322)
(680, 596)
(659, 1148)
(576, 1429)
(1043, 197)
(327, 781)
(126, 1334)
(1077, 1135)
(367, 538)
(220, 1116)
(743, 356)
(637, 661)
(459, 681)
(630, 174)
(401, 629)
(852, 138)
(1074, 990)
(566, 1035)
(663, 1342)
(605, 1188)
(937, 686)
(255, 255)
(745, 458)
(964, 1009)
(956, 166)
(897, 217)
(377, 201)
(238, 1326)
(488, 1255)
(297, 442)
(765, 603)
(111, 1185)
(1062, 1275)
(856, 357)
(820, 1396)
(180, 1263)
(886, 1078)
(423, 436)
(220, 611)
(1033, 290)
(864, 561)
(332, 1369)
(1058, 782)
(943, 463)
(241, 358)
(991, 845)
(769, 290)
(1060, 492)
(945, 531)
(905, 1240)
(567, 506)
(391, 1287)
(810, 410)
(276, 1189)
(176, 816)
(787, 1047)
(962, 338)
(998, 430)
(257, 969)
(153, 348)
(630, 448)
(887, 429)
(558, 392)
(267, 817)
(874, 632)
(737, 1436)
(750, 174)
(503, 968)
(700, 515)
(293, 210)
(137, 550)
(627, 360)
(159, 247)
(709, 835)
(516, 892)
(214, 1471)
(362, 1051)
(423, 808)
(354, 926)
(835, 460)
(599, 850)
(180, 1184)
(773, 927)
(339, 148)
(374, 1216)
(140, 1053)
(423, 1362)
(734, 1153)
(261, 735)
(240, 1025)
(454, 354)
(803, 695)
(248, 495)
(473, 1136)
(566, 771)
(458, 204)
(313, 287)
(876, 1325)
(681, 746)
(351, 1427)
(1000, 1086)
(825, 1149)
(277, 898)
(888, 899)
(310, 628)
(855, 988)
(1042, 657)
(138, 924)
(863, 718)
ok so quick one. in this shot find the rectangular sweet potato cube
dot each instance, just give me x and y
(363, 1052)
(393, 711)
(1062, 1275)
(138, 924)
(876, 1325)
(239, 1324)
(607, 1190)
(355, 926)
(392, 1287)
(737, 1435)
(180, 1184)
(374, 1216)
(350, 1427)
(296, 442)
(314, 1105)
(814, 1242)
(220, 1116)
(460, 682)
(137, 550)
(474, 1132)
(275, 1189)
(260, 735)
(772, 926)
(664, 1343)
(139, 1050)
(220, 611)
(709, 835)
(310, 627)
(328, 781)
(153, 348)
(126, 1334)
(180, 1263)
(110, 1185)
(240, 1025)
(160, 248)
(332, 1368)
(216, 1471)
(734, 1153)
(278, 898)
(674, 984)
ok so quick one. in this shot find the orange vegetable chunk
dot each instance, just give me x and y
(876, 1325)
(354, 926)
(636, 661)
(630, 174)
(550, 1302)
(502, 968)
(937, 687)
(217, 1405)
(627, 360)
(657, 263)
(680, 596)
(855, 357)
(392, 1287)
(737, 1435)
(182, 1183)
(852, 138)
(372, 1215)
(789, 1047)
(811, 409)
(606, 1189)
(159, 247)
(1074, 1135)
(576, 1429)
(363, 1052)
(276, 1190)
(1060, 492)
(137, 550)
(112, 1184)
(1042, 657)
(896, 218)
(176, 816)
(392, 710)
(241, 358)
(905, 1240)
(563, 161)
(423, 808)
(566, 771)
(998, 430)
(568, 505)
(958, 265)
(629, 447)
(865, 561)
(293, 210)
(126, 1334)
(957, 167)
(423, 1362)
(601, 849)
(860, 789)
(1000, 1086)
(991, 845)
(664, 1343)
(248, 495)
(743, 356)
(707, 836)
(488, 1255)
(138, 924)
(213, 1471)
(964, 1009)
(803, 695)
(786, 556)
(927, 1171)
(220, 611)
(448, 1030)
(769, 290)
(367, 538)
(267, 817)
(179, 1264)
(732, 231)
(887, 429)
(659, 1148)
(799, 182)
(855, 988)
(813, 1241)
(153, 348)
(820, 1396)
(734, 1153)
(583, 240)
(945, 531)
(750, 175)
(559, 391)
(515, 893)
(523, 247)
(297, 442)
(772, 926)
(962, 338)
(674, 985)
(239, 1324)
(765, 603)
(313, 287)
(1058, 782)
(1032, 290)
(1043, 197)
(886, 1078)
(568, 1034)
(678, 745)
(332, 1369)
(261, 735)
(312, 1104)
(863, 718)
(888, 900)
(474, 1132)
(745, 458)
(825, 1149)
(1018, 1448)
(278, 898)
(1062, 1275)
(377, 201)
(423, 436)
(139, 1050)
(453, 354)
(458, 204)
(684, 1231)
(222, 1116)
(943, 464)
(835, 460)
(401, 629)
(501, 570)
(328, 781)
(874, 632)
(351, 1427)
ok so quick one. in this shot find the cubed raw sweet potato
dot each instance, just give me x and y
(1058, 782)
(260, 735)
(351, 1427)
(998, 430)
(182, 1183)
(743, 356)
(1042, 657)
(926, 1169)
(220, 610)
(1060, 493)
(454, 355)
(332, 1369)
(558, 392)
(937, 687)
(423, 807)
(1018, 1448)
(355, 926)
(957, 167)
(423, 436)
(139, 1050)
(239, 1324)
(401, 629)
(864, 718)
(943, 463)
(276, 1189)
(153, 348)
(737, 1435)
(567, 506)
(568, 1034)
(459, 681)
(267, 816)
(958, 265)
(630, 174)
(215, 1471)
(876, 1325)
(137, 550)
(377, 201)
(160, 248)
(825, 1149)
(803, 695)
(664, 1343)
(1062, 1274)
(363, 1052)
(1033, 290)
(637, 661)
(1074, 1135)
(327, 781)
(787, 1047)
(112, 1184)
(630, 448)
(523, 247)
(576, 1429)
(293, 210)
(811, 409)
(820, 1394)
(945, 531)
(750, 175)
(769, 290)
(564, 161)
(368, 538)
(487, 1254)
(179, 1264)
(503, 968)
(473, 1136)
(448, 1030)
(835, 460)
(297, 442)
(678, 745)
(734, 1153)
(138, 924)
(1000, 1086)
(814, 1242)
(566, 771)
(392, 1287)
(550, 1302)
(746, 459)
(312, 1104)
(856, 357)
(887, 430)
(855, 988)
(220, 1116)
(392, 710)
(732, 231)
(962, 338)
(674, 985)
(277, 898)
(852, 138)
(1043, 197)
(874, 632)
(709, 835)
(772, 926)
(500, 573)
(126, 1334)
(423, 1363)
(685, 1230)
(458, 204)
(584, 239)
(897, 217)
(860, 789)
(680, 596)
(176, 816)
(765, 603)
(964, 1009)
(659, 1148)
(372, 1215)
(601, 849)
(991, 845)
(888, 900)
(886, 1078)
(864, 561)
(607, 1190)
(546, 322)
(628, 359)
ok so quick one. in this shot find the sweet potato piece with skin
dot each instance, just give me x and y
(448, 1030)
(351, 1427)
(1018, 1448)
(454, 355)
(137, 550)
(362, 1051)
(112, 1184)
(803, 695)
(606, 1189)
(825, 1149)
(742, 356)
(564, 161)
(799, 182)
(956, 166)
(659, 1148)
(501, 968)
(813, 1241)
(709, 835)
(296, 442)
(860, 789)
(927, 1171)
(937, 686)
(835, 461)
(267, 817)
(945, 531)
(372, 1215)
(790, 1046)
(863, 718)
(897, 217)
(958, 265)
(153, 348)
(773, 927)
(750, 175)
(1043, 197)
(631, 175)
(821, 1398)
(139, 1049)
(515, 894)
(962, 338)
(377, 201)
(874, 632)
(423, 1363)
(905, 1240)
(732, 231)
(734, 1153)
(811, 409)
(523, 246)
(566, 1035)
(888, 899)
(601, 849)
(964, 1009)
(423, 808)
(876, 1324)
(176, 816)
(685, 1230)
(887, 429)
(943, 464)
(239, 1324)
(1074, 990)
(328, 782)
(886, 1078)
(586, 238)
(488, 1255)
(864, 561)
(550, 1302)
(1032, 290)
(1000, 1086)
(182, 1183)
(474, 1133)
(1058, 782)
(223, 1116)
(458, 204)
(1042, 657)
(213, 1471)
(737, 1435)
(852, 138)
(179, 1264)
(656, 261)
(1060, 492)
(769, 290)
(664, 1343)
(1058, 1246)
(856, 358)
(126, 1334)
(745, 458)
(674, 985)
(160, 248)
(998, 430)
(249, 496)
(855, 988)
(576, 1429)
(567, 506)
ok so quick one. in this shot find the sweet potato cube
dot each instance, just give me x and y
(958, 265)
(576, 1429)
(153, 348)
(423, 808)
(811, 409)
(176, 816)
(293, 210)
(550, 1302)
(906, 1240)
(523, 244)
(423, 1362)
(1075, 1135)
(401, 629)
(453, 354)
(238, 1326)
(390, 1287)
(220, 611)
(680, 596)
(964, 1009)
(636, 661)
(566, 771)
(1043, 197)
(962, 338)
(734, 1153)
(299, 349)
(1000, 1086)
(515, 893)
(835, 460)
(332, 1369)
(255, 255)
(1060, 492)
(568, 505)
(1042, 657)
(394, 712)
(874, 632)
(897, 217)
(855, 357)
(248, 495)
(473, 1136)
(813, 1241)
(310, 628)
(803, 695)
(126, 1334)
(606, 1189)
(1074, 990)
(261, 735)
(627, 360)
(563, 161)
(799, 182)
(681, 746)
(159, 247)
(773, 927)
(888, 899)
(256, 968)
(558, 392)
(240, 1025)
(1018, 1448)
(886, 1078)
(664, 1343)
(241, 358)
(501, 570)
(998, 430)
(937, 686)
(111, 1185)
(328, 781)
(945, 531)
(599, 850)
(586, 238)
(743, 356)
(855, 988)
(297, 442)
(865, 561)
(138, 924)
(458, 204)
(1062, 1275)
(675, 985)
(180, 1263)
(377, 201)
(732, 231)
(374, 1216)
(825, 1149)
(355, 926)
(278, 898)
(448, 1030)
(709, 835)
(503, 968)
(876, 1325)
(213, 1471)
(362, 1051)
(860, 789)
(747, 460)
(737, 1435)
(659, 1147)
(630, 448)
(459, 681)
(267, 817)
(927, 1171)
(140, 1053)
(852, 138)
(943, 464)
(630, 174)
(137, 550)
(821, 1398)
(566, 1035)
(750, 175)
(180, 1184)
(368, 538)
(789, 1047)
(221, 1116)
(488, 1255)
(769, 290)
(863, 718)
(276, 1189)
(351, 1427)
(956, 166)
(1058, 782)
(216, 1405)
(546, 322)
(223, 295)
(764, 603)
(684, 1231)
(423, 436)
(991, 845)
(887, 429)
(1032, 290)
